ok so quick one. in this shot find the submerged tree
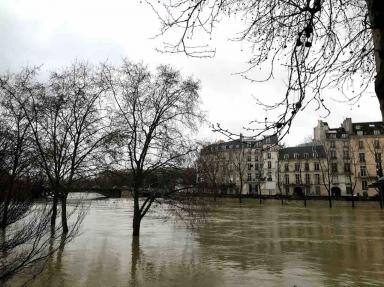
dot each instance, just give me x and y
(16, 156)
(154, 114)
(66, 124)
(322, 44)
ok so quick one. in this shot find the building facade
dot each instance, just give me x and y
(355, 154)
(340, 161)
(302, 171)
(246, 164)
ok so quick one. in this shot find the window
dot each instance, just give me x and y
(317, 178)
(333, 144)
(256, 158)
(315, 155)
(269, 155)
(332, 136)
(317, 190)
(333, 154)
(306, 166)
(249, 178)
(361, 144)
(286, 167)
(344, 136)
(269, 176)
(297, 176)
(296, 155)
(378, 157)
(269, 164)
(286, 179)
(306, 155)
(347, 167)
(287, 190)
(256, 166)
(334, 167)
(317, 166)
(307, 179)
(286, 156)
(349, 189)
(250, 166)
(360, 133)
(363, 170)
(346, 154)
(364, 185)
(297, 166)
(376, 132)
(249, 158)
(376, 144)
(361, 157)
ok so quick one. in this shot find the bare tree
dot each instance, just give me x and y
(211, 169)
(325, 168)
(65, 120)
(351, 169)
(322, 44)
(28, 242)
(153, 116)
(16, 156)
(239, 167)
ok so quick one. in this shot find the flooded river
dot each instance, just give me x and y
(248, 245)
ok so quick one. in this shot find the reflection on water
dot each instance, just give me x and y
(248, 245)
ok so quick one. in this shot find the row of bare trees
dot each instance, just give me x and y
(63, 128)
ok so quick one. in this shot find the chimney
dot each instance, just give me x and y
(347, 125)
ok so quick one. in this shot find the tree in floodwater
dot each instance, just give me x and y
(239, 167)
(154, 115)
(211, 165)
(66, 124)
(16, 156)
(27, 243)
(322, 44)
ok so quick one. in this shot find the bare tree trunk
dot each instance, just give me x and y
(136, 215)
(353, 200)
(4, 218)
(240, 190)
(305, 200)
(135, 259)
(376, 16)
(54, 210)
(7, 202)
(64, 213)
(329, 198)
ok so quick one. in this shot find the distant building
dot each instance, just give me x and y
(301, 171)
(244, 162)
(355, 154)
(340, 161)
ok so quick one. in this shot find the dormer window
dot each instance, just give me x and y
(286, 156)
(296, 155)
(306, 155)
(315, 155)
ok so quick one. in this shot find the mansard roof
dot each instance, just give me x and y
(246, 142)
(310, 150)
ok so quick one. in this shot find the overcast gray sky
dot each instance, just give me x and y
(55, 33)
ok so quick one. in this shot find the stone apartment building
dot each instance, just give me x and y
(343, 161)
(302, 171)
(244, 162)
(355, 154)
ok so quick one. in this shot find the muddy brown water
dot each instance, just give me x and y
(247, 245)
